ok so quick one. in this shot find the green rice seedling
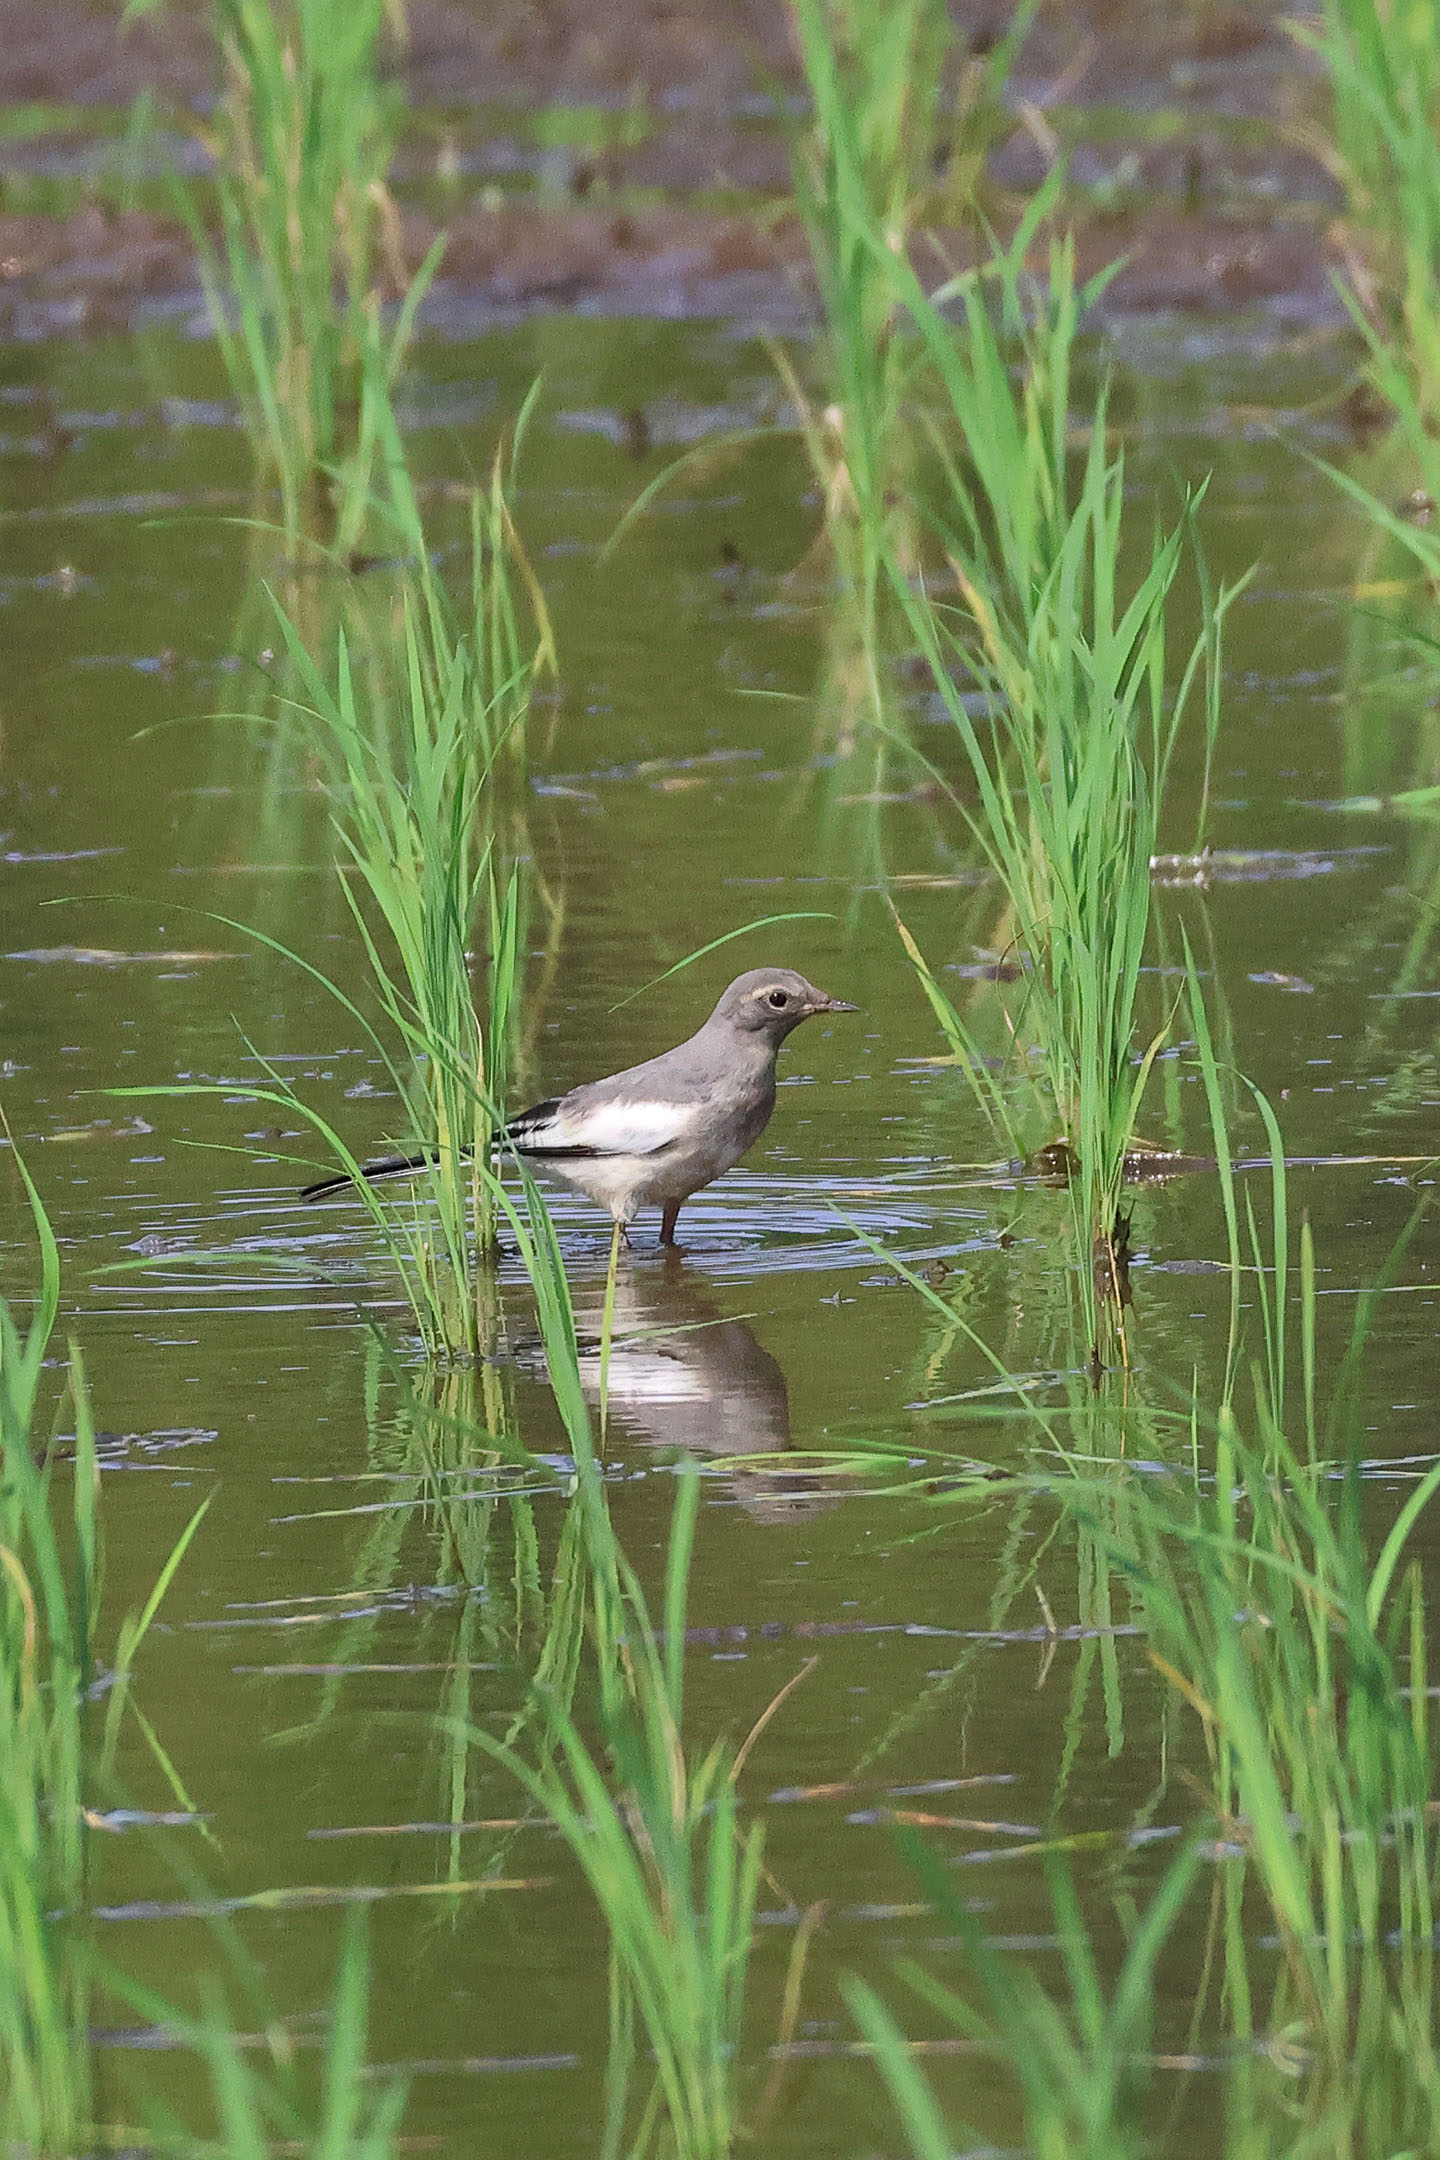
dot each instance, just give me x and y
(309, 239)
(1083, 2065)
(425, 883)
(413, 765)
(1383, 62)
(1054, 676)
(1296, 1636)
(1004, 434)
(1382, 58)
(417, 723)
(57, 1755)
(660, 1838)
(1286, 1636)
(1069, 762)
(47, 1621)
(1056, 681)
(874, 75)
(1289, 1640)
(56, 1752)
(882, 128)
(1288, 1632)
(1295, 1633)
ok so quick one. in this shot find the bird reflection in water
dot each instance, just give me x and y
(689, 1380)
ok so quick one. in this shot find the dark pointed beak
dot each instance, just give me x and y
(829, 1004)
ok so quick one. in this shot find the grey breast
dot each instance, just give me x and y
(723, 1079)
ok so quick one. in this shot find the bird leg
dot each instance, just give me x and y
(607, 1326)
(667, 1223)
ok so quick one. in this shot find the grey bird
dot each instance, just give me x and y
(656, 1133)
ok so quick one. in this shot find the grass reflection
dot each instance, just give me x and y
(1291, 1638)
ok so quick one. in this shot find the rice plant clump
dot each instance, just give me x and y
(1383, 63)
(658, 1832)
(416, 728)
(891, 143)
(417, 722)
(310, 243)
(1290, 1632)
(1053, 670)
(1382, 58)
(1297, 1636)
(47, 1614)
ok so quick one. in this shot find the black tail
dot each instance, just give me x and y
(372, 1172)
(516, 1132)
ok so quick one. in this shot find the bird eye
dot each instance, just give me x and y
(779, 999)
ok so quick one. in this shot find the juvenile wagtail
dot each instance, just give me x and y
(654, 1134)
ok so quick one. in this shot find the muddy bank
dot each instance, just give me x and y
(632, 158)
(99, 267)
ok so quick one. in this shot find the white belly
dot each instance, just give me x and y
(622, 1184)
(658, 1175)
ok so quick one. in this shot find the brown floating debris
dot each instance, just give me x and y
(996, 971)
(1058, 1160)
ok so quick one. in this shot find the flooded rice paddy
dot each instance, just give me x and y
(690, 773)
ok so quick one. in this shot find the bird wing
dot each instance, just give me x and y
(577, 1128)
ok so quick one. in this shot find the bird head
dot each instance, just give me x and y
(772, 1001)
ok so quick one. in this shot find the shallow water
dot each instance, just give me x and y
(684, 783)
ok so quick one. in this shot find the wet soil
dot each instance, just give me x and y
(632, 158)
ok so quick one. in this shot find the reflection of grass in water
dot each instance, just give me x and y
(1301, 1648)
(1081, 2061)
(303, 139)
(1391, 741)
(458, 1478)
(656, 1831)
(263, 2097)
(1272, 1621)
(450, 1420)
(1383, 63)
(658, 1835)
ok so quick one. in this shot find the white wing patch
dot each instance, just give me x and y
(613, 1128)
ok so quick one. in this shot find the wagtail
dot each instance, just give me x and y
(654, 1134)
